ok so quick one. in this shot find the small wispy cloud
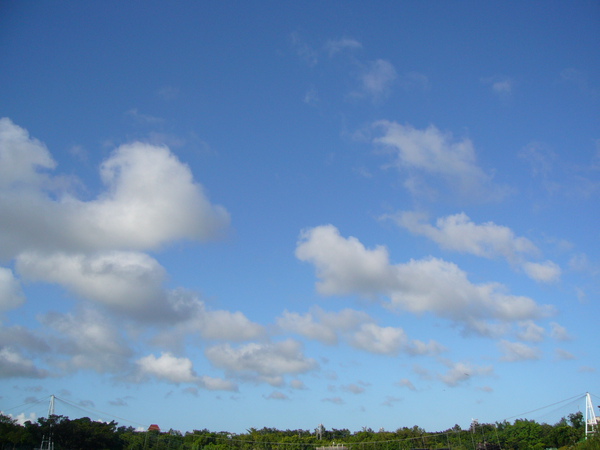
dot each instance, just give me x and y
(390, 400)
(546, 271)
(559, 332)
(405, 382)
(306, 52)
(501, 85)
(579, 79)
(311, 96)
(334, 46)
(334, 400)
(168, 93)
(118, 402)
(530, 331)
(564, 355)
(378, 78)
(277, 395)
(459, 372)
(517, 351)
(353, 388)
(413, 81)
(434, 155)
(144, 119)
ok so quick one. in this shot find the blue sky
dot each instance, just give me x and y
(228, 215)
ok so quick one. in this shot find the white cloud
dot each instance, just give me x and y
(378, 78)
(334, 46)
(118, 402)
(579, 79)
(345, 267)
(322, 325)
(517, 351)
(89, 341)
(353, 388)
(304, 50)
(216, 384)
(297, 384)
(21, 158)
(127, 282)
(13, 364)
(581, 263)
(501, 85)
(375, 339)
(459, 372)
(390, 400)
(540, 157)
(405, 382)
(390, 341)
(355, 327)
(168, 367)
(94, 248)
(564, 355)
(459, 233)
(262, 362)
(416, 347)
(306, 326)
(195, 318)
(530, 331)
(546, 271)
(334, 400)
(144, 119)
(414, 80)
(168, 93)
(311, 97)
(22, 418)
(179, 370)
(277, 395)
(11, 295)
(227, 325)
(19, 338)
(430, 152)
(559, 332)
(150, 200)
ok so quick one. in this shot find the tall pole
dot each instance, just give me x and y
(591, 422)
(47, 442)
(51, 407)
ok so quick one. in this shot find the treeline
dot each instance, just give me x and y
(85, 434)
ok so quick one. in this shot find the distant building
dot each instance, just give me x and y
(154, 427)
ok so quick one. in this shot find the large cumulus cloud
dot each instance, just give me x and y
(345, 266)
(150, 199)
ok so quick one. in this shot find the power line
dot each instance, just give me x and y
(547, 406)
(30, 404)
(88, 410)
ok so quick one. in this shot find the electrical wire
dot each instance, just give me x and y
(544, 407)
(88, 410)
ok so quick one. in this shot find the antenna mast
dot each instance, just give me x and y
(47, 442)
(51, 407)
(591, 421)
